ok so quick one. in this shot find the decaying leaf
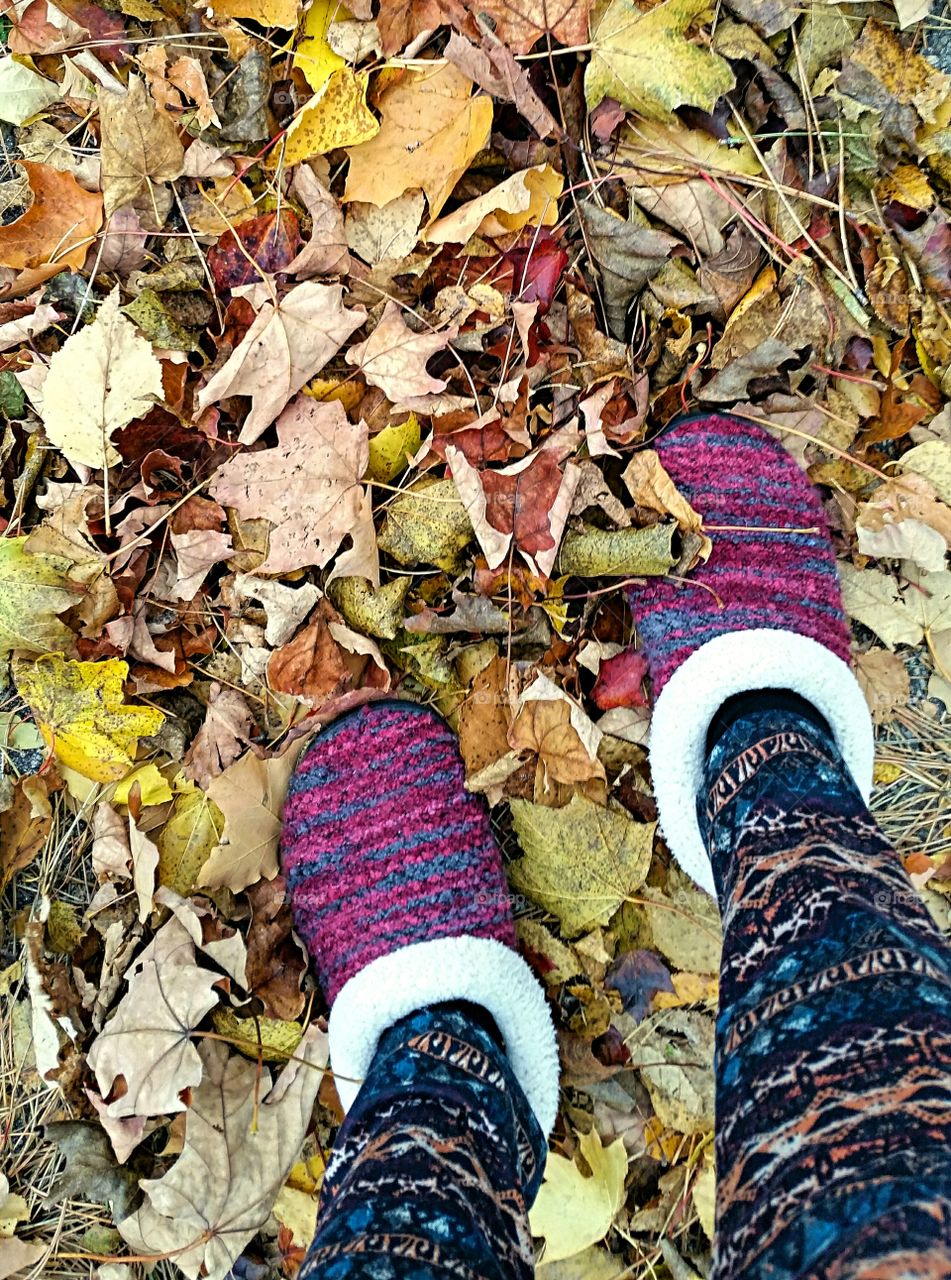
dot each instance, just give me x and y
(34, 588)
(140, 146)
(674, 1049)
(394, 357)
(241, 1138)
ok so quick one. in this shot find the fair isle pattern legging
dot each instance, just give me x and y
(833, 1056)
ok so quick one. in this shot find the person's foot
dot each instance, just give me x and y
(764, 612)
(399, 893)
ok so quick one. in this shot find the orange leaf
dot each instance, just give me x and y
(59, 225)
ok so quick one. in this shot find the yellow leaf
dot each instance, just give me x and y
(431, 131)
(314, 56)
(33, 589)
(573, 1211)
(391, 449)
(579, 862)
(268, 13)
(528, 196)
(645, 61)
(337, 116)
(427, 524)
(297, 1211)
(705, 1195)
(153, 789)
(278, 1038)
(188, 837)
(80, 712)
(349, 393)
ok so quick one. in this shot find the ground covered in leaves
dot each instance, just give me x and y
(333, 344)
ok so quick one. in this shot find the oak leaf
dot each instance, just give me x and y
(394, 357)
(431, 130)
(238, 1152)
(79, 710)
(308, 486)
(284, 347)
(120, 377)
(58, 227)
(140, 145)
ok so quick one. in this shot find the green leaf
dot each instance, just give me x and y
(33, 589)
(645, 61)
(12, 396)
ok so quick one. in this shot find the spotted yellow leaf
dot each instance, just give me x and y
(337, 116)
(79, 710)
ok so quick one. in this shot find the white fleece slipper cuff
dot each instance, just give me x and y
(741, 662)
(481, 970)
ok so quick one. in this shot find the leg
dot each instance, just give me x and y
(834, 1037)
(437, 1163)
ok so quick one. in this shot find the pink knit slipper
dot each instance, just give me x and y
(399, 893)
(764, 612)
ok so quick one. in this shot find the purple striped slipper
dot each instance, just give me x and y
(399, 893)
(764, 612)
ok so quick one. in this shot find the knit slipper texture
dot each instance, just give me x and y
(382, 845)
(764, 612)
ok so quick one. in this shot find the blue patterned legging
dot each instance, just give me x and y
(833, 1054)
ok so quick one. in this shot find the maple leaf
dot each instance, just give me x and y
(120, 377)
(147, 1041)
(250, 794)
(308, 486)
(263, 244)
(638, 975)
(284, 347)
(58, 227)
(394, 357)
(573, 1210)
(219, 741)
(238, 1152)
(337, 116)
(81, 714)
(431, 129)
(140, 145)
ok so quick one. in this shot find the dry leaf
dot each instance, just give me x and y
(326, 251)
(388, 232)
(34, 588)
(148, 1040)
(574, 1210)
(250, 794)
(885, 682)
(285, 346)
(528, 196)
(394, 357)
(145, 860)
(221, 738)
(57, 228)
(140, 145)
(308, 486)
(431, 129)
(337, 116)
(120, 377)
(241, 1139)
(674, 1050)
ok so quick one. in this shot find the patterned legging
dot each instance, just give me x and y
(833, 1053)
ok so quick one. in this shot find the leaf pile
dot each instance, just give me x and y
(333, 346)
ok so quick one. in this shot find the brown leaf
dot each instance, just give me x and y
(493, 67)
(59, 225)
(238, 1152)
(312, 666)
(885, 682)
(521, 23)
(544, 727)
(484, 719)
(265, 244)
(220, 740)
(325, 253)
(627, 255)
(140, 145)
(276, 964)
(250, 794)
(24, 828)
(285, 346)
(308, 486)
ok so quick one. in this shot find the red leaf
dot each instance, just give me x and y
(264, 244)
(521, 504)
(619, 681)
(537, 265)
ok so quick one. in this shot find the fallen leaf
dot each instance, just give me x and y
(265, 244)
(392, 449)
(80, 711)
(121, 380)
(627, 255)
(148, 1041)
(431, 129)
(284, 347)
(638, 976)
(685, 925)
(24, 830)
(23, 93)
(394, 357)
(620, 553)
(494, 68)
(57, 228)
(562, 738)
(528, 196)
(34, 588)
(336, 116)
(18, 1255)
(188, 837)
(276, 964)
(674, 1050)
(241, 1139)
(574, 1210)
(140, 145)
(874, 599)
(933, 461)
(885, 682)
(286, 607)
(90, 1169)
(172, 84)
(269, 13)
(221, 738)
(580, 862)
(314, 56)
(620, 680)
(308, 486)
(388, 232)
(110, 843)
(326, 251)
(250, 795)
(426, 524)
(145, 860)
(645, 62)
